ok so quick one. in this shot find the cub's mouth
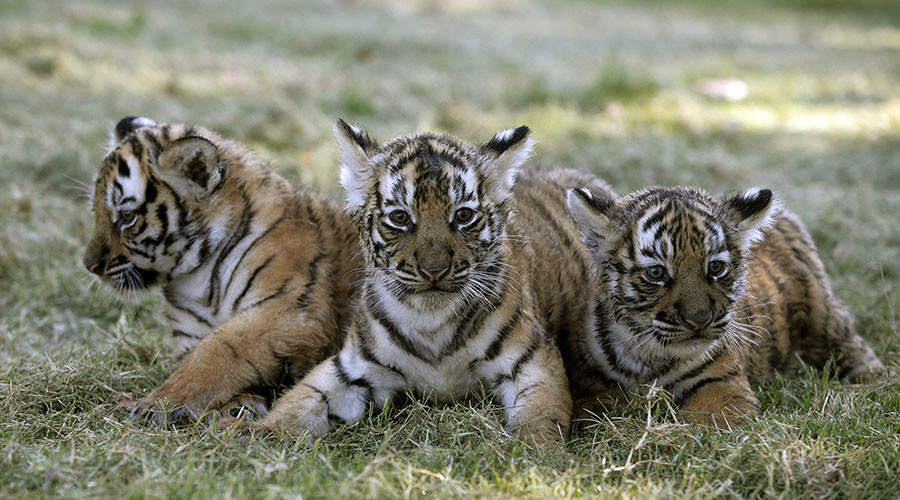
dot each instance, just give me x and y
(130, 279)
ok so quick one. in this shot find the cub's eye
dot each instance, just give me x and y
(655, 273)
(464, 216)
(399, 218)
(716, 268)
(127, 218)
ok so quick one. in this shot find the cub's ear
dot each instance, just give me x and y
(356, 173)
(191, 165)
(594, 217)
(750, 212)
(128, 125)
(506, 152)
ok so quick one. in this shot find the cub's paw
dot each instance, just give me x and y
(864, 372)
(246, 406)
(237, 429)
(164, 407)
(731, 414)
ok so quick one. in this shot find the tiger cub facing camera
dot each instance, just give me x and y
(256, 275)
(702, 295)
(467, 284)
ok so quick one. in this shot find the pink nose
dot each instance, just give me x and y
(434, 272)
(697, 321)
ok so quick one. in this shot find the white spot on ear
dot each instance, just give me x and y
(752, 227)
(356, 174)
(143, 121)
(596, 227)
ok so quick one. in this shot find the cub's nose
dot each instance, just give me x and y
(434, 270)
(94, 264)
(696, 320)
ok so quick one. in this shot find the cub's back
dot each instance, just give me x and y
(559, 262)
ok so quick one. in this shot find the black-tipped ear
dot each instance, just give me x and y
(750, 203)
(751, 212)
(191, 165)
(129, 124)
(355, 134)
(506, 139)
(506, 152)
(594, 217)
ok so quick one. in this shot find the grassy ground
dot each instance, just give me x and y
(606, 88)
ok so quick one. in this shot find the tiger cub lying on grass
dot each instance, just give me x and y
(461, 291)
(256, 275)
(702, 294)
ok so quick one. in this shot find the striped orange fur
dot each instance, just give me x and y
(703, 296)
(460, 291)
(256, 275)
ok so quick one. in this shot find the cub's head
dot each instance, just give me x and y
(672, 260)
(145, 198)
(431, 209)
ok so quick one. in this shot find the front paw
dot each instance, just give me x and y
(864, 373)
(733, 412)
(246, 406)
(237, 429)
(163, 408)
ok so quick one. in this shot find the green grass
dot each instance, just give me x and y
(606, 87)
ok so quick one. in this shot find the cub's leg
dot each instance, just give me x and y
(595, 402)
(820, 325)
(856, 362)
(536, 398)
(337, 391)
(249, 349)
(719, 396)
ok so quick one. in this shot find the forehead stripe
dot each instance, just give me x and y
(124, 171)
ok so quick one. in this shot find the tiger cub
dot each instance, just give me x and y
(255, 274)
(461, 291)
(700, 295)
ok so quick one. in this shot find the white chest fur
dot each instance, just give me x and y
(432, 355)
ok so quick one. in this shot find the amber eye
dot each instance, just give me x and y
(399, 218)
(716, 268)
(127, 218)
(655, 273)
(464, 216)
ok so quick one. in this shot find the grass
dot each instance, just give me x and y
(607, 87)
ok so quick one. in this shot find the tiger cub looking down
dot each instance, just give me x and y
(255, 274)
(460, 292)
(700, 295)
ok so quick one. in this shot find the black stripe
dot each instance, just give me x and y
(367, 354)
(313, 273)
(236, 237)
(124, 171)
(182, 333)
(234, 352)
(523, 359)
(699, 368)
(237, 266)
(471, 325)
(394, 334)
(260, 377)
(192, 313)
(657, 217)
(277, 293)
(138, 251)
(690, 391)
(345, 377)
(602, 333)
(250, 282)
(494, 349)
